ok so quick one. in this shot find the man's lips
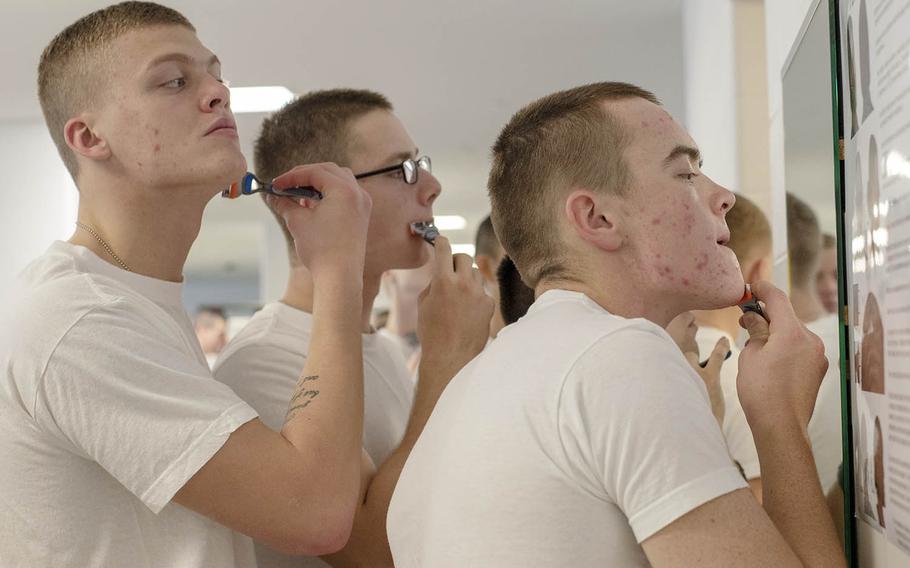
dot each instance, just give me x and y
(222, 124)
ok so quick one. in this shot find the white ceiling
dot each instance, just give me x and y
(455, 70)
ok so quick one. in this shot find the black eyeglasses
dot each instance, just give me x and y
(409, 169)
(250, 184)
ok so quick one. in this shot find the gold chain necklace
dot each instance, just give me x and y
(104, 245)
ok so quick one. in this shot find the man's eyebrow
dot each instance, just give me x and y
(182, 58)
(401, 156)
(682, 150)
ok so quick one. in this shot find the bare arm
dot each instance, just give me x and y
(781, 368)
(454, 319)
(297, 491)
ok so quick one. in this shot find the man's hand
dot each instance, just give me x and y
(329, 233)
(682, 329)
(782, 365)
(710, 374)
(453, 314)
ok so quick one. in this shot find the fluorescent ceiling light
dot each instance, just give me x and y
(259, 99)
(463, 248)
(450, 222)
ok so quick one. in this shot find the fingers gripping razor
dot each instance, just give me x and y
(250, 184)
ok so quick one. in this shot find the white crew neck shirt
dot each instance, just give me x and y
(572, 438)
(263, 362)
(107, 408)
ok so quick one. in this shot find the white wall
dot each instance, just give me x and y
(39, 198)
(710, 86)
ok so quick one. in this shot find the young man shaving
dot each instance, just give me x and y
(750, 240)
(581, 436)
(119, 447)
(358, 129)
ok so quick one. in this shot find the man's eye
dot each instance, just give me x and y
(689, 176)
(177, 83)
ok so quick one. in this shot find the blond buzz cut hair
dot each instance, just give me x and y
(562, 140)
(71, 74)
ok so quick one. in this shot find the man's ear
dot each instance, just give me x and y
(594, 218)
(83, 140)
(761, 269)
(486, 265)
(758, 269)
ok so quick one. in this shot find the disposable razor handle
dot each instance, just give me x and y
(250, 184)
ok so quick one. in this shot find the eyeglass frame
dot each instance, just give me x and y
(418, 165)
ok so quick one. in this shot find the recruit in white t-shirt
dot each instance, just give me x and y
(107, 408)
(572, 438)
(736, 428)
(263, 362)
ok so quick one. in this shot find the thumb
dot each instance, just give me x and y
(757, 328)
(718, 356)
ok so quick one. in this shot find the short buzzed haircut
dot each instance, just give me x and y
(485, 242)
(515, 298)
(72, 73)
(804, 241)
(750, 231)
(311, 129)
(561, 140)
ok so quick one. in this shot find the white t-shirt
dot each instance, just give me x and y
(825, 427)
(107, 408)
(263, 362)
(735, 428)
(572, 438)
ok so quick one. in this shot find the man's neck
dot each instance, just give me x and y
(620, 298)
(805, 305)
(150, 230)
(299, 293)
(726, 320)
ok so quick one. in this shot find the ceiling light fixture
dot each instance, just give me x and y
(450, 222)
(259, 99)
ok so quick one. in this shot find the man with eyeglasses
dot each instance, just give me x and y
(357, 129)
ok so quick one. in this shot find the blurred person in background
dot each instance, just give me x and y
(826, 275)
(211, 327)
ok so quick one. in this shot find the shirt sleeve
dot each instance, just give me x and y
(637, 421)
(263, 375)
(128, 393)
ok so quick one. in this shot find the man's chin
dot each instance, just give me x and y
(726, 294)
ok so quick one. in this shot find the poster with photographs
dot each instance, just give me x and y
(875, 38)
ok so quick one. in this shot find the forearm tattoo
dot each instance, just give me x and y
(302, 398)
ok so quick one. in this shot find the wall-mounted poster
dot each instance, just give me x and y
(875, 37)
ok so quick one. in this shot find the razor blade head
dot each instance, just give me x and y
(749, 303)
(427, 231)
(244, 187)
